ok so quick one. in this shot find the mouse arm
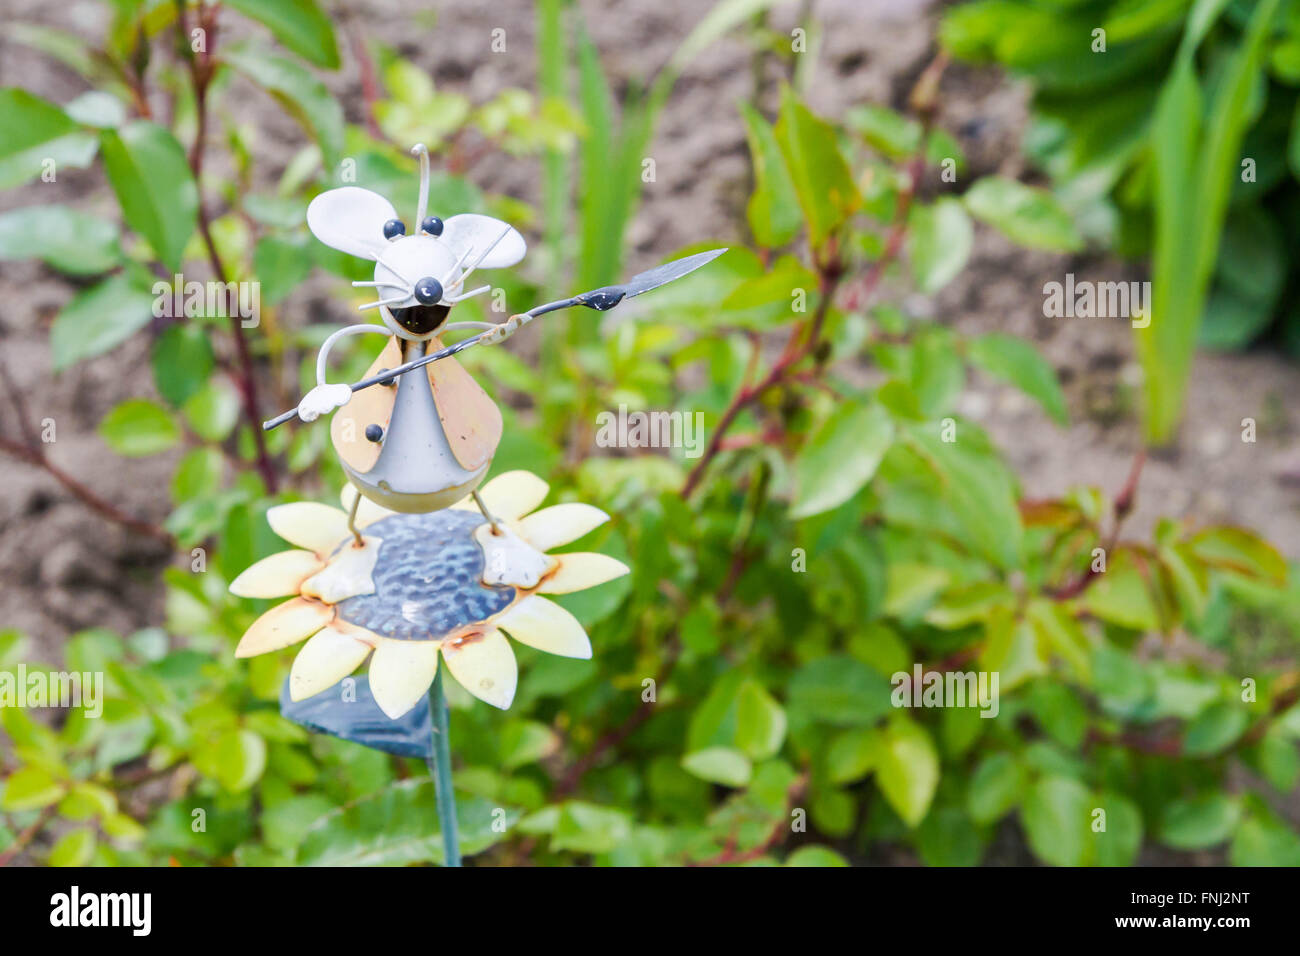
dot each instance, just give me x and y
(602, 300)
(324, 398)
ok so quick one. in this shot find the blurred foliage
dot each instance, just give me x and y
(1169, 130)
(738, 709)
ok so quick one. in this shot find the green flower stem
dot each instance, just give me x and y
(440, 769)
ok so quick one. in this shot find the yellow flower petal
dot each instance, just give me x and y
(324, 660)
(509, 495)
(545, 625)
(284, 624)
(582, 569)
(309, 525)
(367, 512)
(276, 576)
(400, 673)
(484, 666)
(559, 524)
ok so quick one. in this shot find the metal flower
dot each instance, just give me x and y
(411, 587)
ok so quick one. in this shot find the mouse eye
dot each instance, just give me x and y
(432, 225)
(428, 290)
(394, 228)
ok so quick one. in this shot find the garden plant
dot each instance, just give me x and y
(840, 541)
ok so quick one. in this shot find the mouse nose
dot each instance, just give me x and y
(428, 290)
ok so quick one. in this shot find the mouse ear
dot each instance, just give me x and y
(351, 219)
(471, 231)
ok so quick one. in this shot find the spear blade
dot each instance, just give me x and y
(611, 295)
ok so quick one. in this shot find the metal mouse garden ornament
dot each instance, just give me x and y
(420, 565)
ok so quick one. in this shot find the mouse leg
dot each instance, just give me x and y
(352, 520)
(496, 525)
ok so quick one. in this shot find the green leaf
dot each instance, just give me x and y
(1119, 680)
(1059, 712)
(1194, 170)
(995, 787)
(299, 24)
(1263, 840)
(722, 765)
(588, 828)
(773, 209)
(236, 759)
(817, 168)
(280, 265)
(947, 838)
(33, 130)
(182, 361)
(760, 722)
(74, 848)
(285, 824)
(1200, 822)
(1016, 361)
(1278, 758)
(213, 410)
(66, 238)
(978, 488)
(907, 769)
(98, 109)
(99, 319)
(721, 19)
(526, 741)
(30, 788)
(137, 427)
(841, 457)
(1012, 649)
(1060, 634)
(765, 301)
(853, 754)
(123, 829)
(838, 690)
(611, 155)
(1215, 729)
(305, 97)
(940, 237)
(887, 131)
(1023, 214)
(1056, 813)
(1119, 843)
(86, 801)
(1235, 549)
(812, 855)
(198, 474)
(968, 604)
(148, 171)
(937, 373)
(27, 122)
(910, 587)
(833, 811)
(1120, 595)
(397, 826)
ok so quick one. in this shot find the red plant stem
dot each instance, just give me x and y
(924, 102)
(1123, 506)
(748, 394)
(369, 86)
(569, 782)
(201, 72)
(729, 854)
(26, 837)
(85, 495)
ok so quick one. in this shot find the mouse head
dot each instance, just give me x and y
(421, 267)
